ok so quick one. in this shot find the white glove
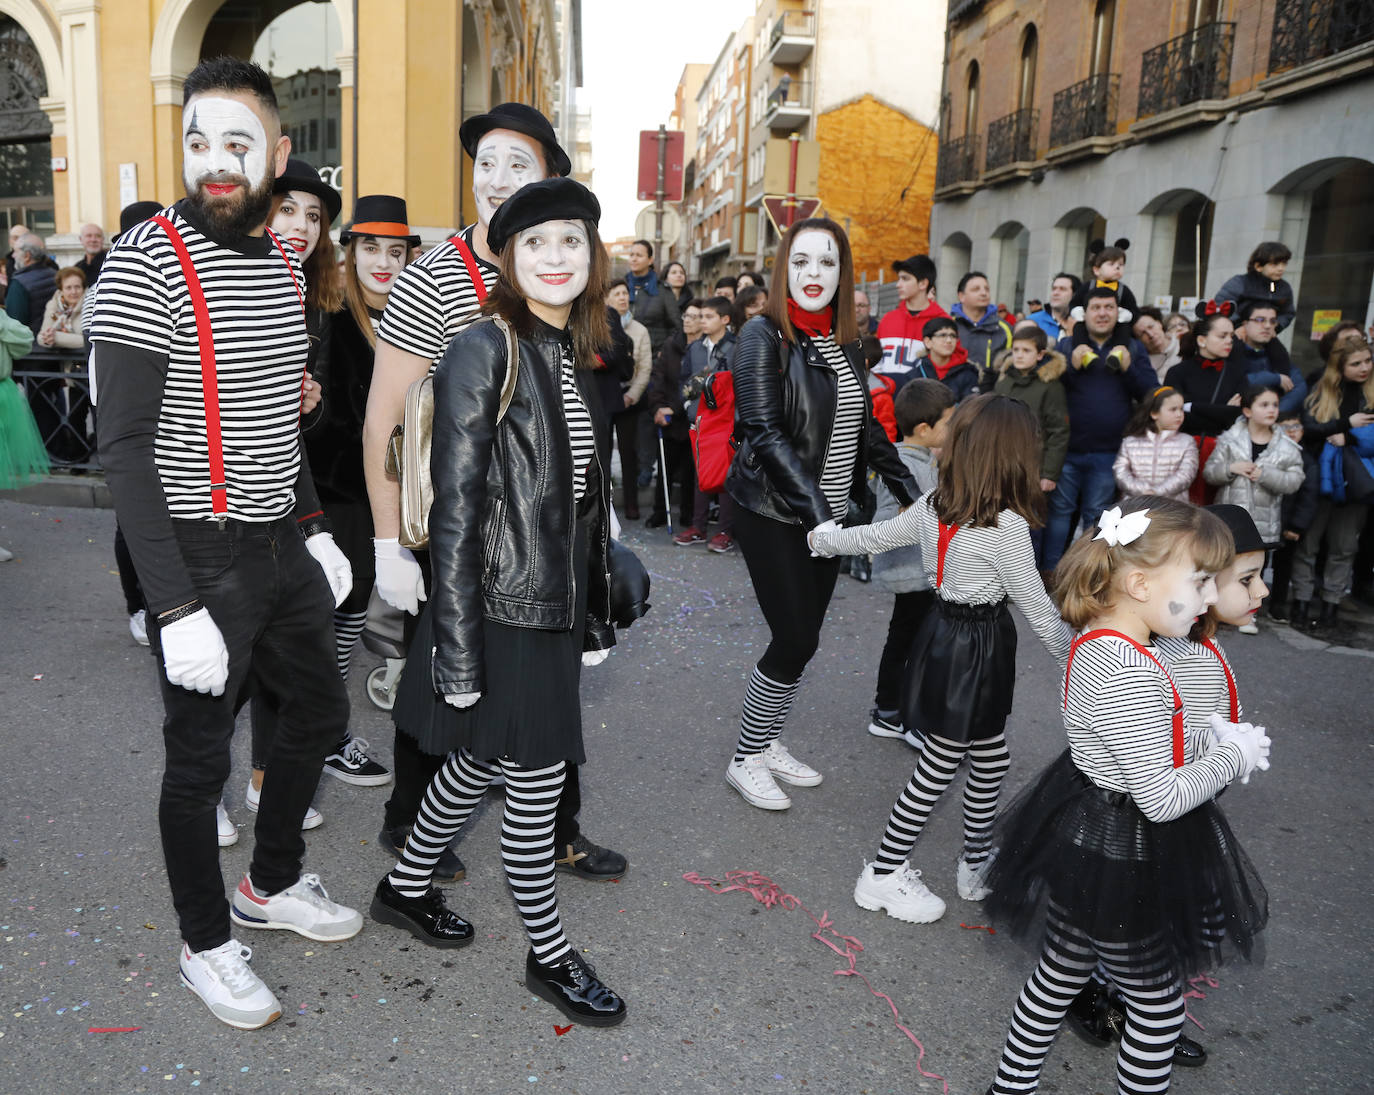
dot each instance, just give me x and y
(824, 526)
(594, 657)
(194, 653)
(462, 699)
(400, 582)
(1250, 739)
(337, 569)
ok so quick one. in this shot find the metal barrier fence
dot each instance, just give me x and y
(58, 386)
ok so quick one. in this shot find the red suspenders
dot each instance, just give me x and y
(1178, 700)
(1230, 680)
(946, 534)
(474, 271)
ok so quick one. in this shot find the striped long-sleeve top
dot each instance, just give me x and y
(1119, 716)
(1201, 679)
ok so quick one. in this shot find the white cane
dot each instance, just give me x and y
(663, 472)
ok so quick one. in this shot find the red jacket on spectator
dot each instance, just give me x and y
(900, 333)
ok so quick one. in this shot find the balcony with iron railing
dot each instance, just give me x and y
(1085, 110)
(1190, 68)
(793, 38)
(1012, 139)
(789, 105)
(1310, 30)
(957, 163)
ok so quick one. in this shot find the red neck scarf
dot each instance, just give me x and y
(815, 324)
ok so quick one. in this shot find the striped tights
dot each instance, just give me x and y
(1151, 989)
(766, 704)
(348, 627)
(532, 796)
(935, 771)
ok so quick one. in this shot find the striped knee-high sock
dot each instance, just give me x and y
(989, 761)
(766, 703)
(935, 771)
(348, 626)
(532, 796)
(453, 793)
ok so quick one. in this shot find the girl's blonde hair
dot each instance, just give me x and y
(1085, 581)
(1324, 401)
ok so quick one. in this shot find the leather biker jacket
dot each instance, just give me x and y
(504, 521)
(784, 414)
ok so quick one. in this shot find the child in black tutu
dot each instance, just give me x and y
(1120, 836)
(974, 532)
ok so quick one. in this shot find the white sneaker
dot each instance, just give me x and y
(6, 555)
(788, 768)
(313, 818)
(303, 908)
(228, 831)
(231, 990)
(138, 627)
(755, 783)
(1251, 628)
(972, 880)
(901, 894)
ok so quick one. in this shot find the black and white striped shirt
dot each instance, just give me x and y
(851, 412)
(579, 419)
(433, 299)
(1201, 680)
(982, 565)
(1119, 718)
(254, 298)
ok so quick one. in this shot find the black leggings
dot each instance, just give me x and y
(793, 591)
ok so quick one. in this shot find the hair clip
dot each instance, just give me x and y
(1117, 530)
(1214, 308)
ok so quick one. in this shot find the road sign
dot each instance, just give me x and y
(785, 212)
(672, 165)
(672, 225)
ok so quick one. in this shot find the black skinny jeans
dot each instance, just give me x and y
(792, 587)
(272, 604)
(908, 610)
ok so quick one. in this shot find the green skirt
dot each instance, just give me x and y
(22, 456)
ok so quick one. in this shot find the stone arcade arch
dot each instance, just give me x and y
(956, 259)
(1008, 254)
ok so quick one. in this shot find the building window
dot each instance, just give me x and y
(1104, 20)
(1202, 12)
(971, 101)
(1025, 89)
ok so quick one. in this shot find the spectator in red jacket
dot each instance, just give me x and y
(900, 331)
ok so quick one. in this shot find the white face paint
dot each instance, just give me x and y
(379, 259)
(813, 269)
(505, 162)
(223, 146)
(298, 221)
(553, 261)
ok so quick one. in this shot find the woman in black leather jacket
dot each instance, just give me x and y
(520, 595)
(807, 435)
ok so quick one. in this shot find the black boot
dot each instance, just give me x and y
(1330, 616)
(571, 985)
(449, 868)
(427, 918)
(1092, 1017)
(1301, 615)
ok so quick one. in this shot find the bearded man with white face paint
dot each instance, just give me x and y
(199, 353)
(807, 437)
(434, 298)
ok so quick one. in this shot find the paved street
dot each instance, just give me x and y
(724, 995)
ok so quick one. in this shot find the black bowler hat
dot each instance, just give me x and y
(555, 199)
(134, 214)
(1242, 526)
(380, 215)
(299, 175)
(522, 119)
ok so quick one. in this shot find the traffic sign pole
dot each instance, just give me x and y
(794, 143)
(659, 192)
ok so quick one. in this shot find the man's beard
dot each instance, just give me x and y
(238, 214)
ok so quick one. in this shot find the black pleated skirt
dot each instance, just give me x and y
(961, 674)
(530, 710)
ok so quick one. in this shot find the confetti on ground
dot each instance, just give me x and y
(977, 928)
(560, 1031)
(114, 1030)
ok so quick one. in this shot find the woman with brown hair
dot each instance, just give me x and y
(807, 437)
(520, 601)
(974, 535)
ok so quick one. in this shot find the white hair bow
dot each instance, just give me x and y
(1118, 530)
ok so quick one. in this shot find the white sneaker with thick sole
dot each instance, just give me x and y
(231, 990)
(138, 627)
(313, 818)
(228, 831)
(901, 894)
(971, 880)
(1250, 628)
(755, 783)
(788, 768)
(303, 908)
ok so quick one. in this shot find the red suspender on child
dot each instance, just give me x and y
(474, 271)
(1178, 700)
(1230, 680)
(209, 378)
(946, 534)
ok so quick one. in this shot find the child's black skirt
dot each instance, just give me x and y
(1122, 878)
(961, 674)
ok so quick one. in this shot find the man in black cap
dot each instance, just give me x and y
(435, 297)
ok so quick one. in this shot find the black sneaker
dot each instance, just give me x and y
(885, 726)
(589, 860)
(656, 520)
(571, 985)
(427, 918)
(1278, 611)
(350, 763)
(449, 868)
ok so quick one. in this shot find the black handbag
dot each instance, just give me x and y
(1359, 483)
(629, 585)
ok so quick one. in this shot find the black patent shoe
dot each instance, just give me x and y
(427, 918)
(590, 860)
(1188, 1054)
(449, 868)
(1092, 1017)
(571, 985)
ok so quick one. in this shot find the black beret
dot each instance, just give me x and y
(1243, 530)
(555, 199)
(299, 175)
(522, 119)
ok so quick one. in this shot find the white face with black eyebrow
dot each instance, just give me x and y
(223, 146)
(813, 269)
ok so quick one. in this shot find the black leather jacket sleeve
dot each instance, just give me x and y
(760, 356)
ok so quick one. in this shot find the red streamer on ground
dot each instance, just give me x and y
(769, 894)
(977, 928)
(112, 1030)
(1194, 993)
